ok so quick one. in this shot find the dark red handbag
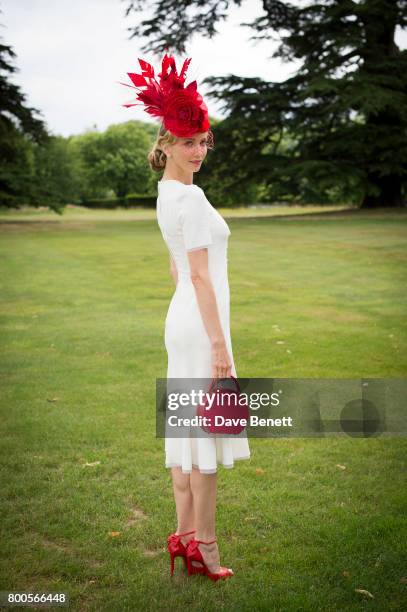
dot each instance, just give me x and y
(234, 411)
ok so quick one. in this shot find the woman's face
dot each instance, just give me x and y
(188, 153)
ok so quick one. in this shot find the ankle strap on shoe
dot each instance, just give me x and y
(187, 533)
(202, 542)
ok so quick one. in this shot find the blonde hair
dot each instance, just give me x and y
(157, 158)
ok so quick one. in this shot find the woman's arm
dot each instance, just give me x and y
(173, 270)
(221, 362)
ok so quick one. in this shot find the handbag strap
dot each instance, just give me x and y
(214, 380)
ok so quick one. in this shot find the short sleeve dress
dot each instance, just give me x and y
(188, 222)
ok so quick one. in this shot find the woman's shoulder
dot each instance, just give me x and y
(180, 192)
(177, 186)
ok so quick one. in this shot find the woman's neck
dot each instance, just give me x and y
(174, 174)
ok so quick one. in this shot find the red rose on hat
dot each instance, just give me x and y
(183, 115)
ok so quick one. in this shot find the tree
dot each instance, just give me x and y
(122, 165)
(13, 109)
(115, 160)
(19, 129)
(346, 107)
(54, 183)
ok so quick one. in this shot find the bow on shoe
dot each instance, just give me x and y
(192, 546)
(174, 542)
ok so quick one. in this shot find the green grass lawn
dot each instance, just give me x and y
(83, 305)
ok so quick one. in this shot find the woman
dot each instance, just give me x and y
(197, 329)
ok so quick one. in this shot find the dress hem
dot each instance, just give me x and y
(225, 465)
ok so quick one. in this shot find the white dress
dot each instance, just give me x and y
(188, 222)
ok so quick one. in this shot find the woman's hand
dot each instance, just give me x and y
(221, 361)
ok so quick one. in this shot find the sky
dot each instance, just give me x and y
(71, 54)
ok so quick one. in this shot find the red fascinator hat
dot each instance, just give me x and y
(181, 109)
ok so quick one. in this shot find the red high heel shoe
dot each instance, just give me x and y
(194, 554)
(176, 548)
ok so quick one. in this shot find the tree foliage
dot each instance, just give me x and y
(19, 127)
(344, 111)
(114, 161)
(41, 169)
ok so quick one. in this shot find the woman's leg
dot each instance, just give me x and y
(204, 489)
(183, 502)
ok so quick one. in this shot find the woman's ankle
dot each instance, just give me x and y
(189, 530)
